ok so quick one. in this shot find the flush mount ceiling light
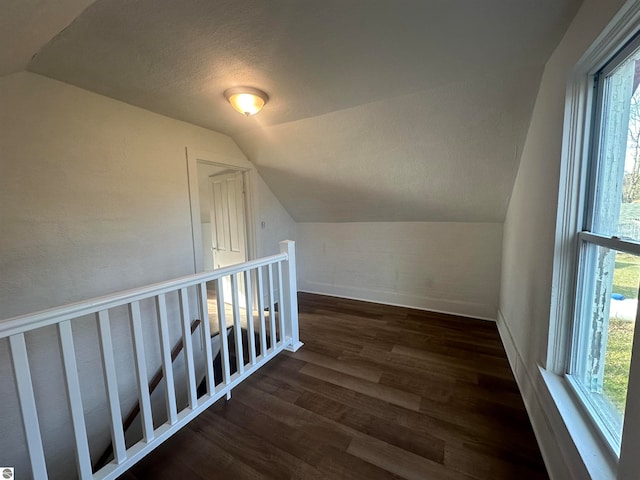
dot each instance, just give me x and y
(246, 100)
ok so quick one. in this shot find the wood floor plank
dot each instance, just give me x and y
(442, 425)
(435, 388)
(368, 373)
(480, 465)
(400, 462)
(407, 364)
(193, 455)
(496, 366)
(422, 444)
(390, 395)
(362, 426)
(377, 392)
(262, 456)
(295, 441)
(344, 466)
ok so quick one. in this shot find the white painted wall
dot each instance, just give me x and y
(273, 223)
(448, 267)
(529, 231)
(94, 199)
(95, 188)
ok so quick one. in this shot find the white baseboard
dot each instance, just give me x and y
(453, 307)
(551, 428)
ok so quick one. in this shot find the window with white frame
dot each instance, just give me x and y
(608, 278)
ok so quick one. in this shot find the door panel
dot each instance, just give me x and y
(227, 219)
(219, 219)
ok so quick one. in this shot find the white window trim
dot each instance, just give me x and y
(594, 450)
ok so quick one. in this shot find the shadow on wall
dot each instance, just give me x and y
(351, 201)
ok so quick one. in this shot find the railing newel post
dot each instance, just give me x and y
(290, 286)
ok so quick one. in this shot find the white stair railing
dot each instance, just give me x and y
(172, 306)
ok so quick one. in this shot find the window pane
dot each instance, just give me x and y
(617, 193)
(604, 335)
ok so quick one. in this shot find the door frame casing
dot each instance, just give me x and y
(192, 159)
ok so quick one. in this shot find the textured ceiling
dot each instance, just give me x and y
(26, 25)
(380, 110)
(447, 154)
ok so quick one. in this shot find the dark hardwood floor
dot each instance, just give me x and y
(376, 392)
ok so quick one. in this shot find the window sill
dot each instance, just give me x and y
(594, 453)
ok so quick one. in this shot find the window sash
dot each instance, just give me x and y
(597, 408)
(600, 220)
(598, 244)
(613, 243)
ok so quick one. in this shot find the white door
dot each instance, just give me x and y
(227, 219)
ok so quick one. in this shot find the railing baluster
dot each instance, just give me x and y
(141, 372)
(188, 348)
(272, 312)
(222, 328)
(281, 306)
(83, 458)
(111, 386)
(22, 374)
(263, 328)
(240, 277)
(206, 338)
(167, 364)
(250, 327)
(237, 325)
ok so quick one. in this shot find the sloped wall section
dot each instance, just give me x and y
(529, 242)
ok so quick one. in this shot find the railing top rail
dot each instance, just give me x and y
(32, 321)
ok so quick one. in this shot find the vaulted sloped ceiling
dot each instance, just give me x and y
(26, 25)
(445, 154)
(404, 110)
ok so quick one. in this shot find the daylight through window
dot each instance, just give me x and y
(609, 262)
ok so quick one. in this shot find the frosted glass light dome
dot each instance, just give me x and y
(246, 100)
